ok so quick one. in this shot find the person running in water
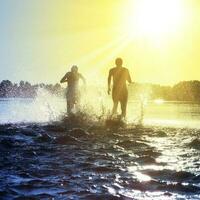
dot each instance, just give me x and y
(120, 76)
(73, 93)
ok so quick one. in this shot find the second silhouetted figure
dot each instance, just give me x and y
(120, 76)
(73, 93)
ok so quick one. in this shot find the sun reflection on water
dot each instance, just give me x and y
(141, 177)
(159, 101)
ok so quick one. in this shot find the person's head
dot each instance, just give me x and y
(118, 62)
(74, 69)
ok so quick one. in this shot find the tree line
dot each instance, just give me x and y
(25, 90)
(182, 91)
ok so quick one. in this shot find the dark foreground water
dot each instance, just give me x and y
(70, 160)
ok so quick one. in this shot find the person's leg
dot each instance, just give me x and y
(69, 106)
(115, 105)
(123, 108)
(69, 99)
(115, 101)
(77, 101)
(123, 103)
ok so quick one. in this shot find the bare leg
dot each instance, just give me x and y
(123, 103)
(114, 110)
(69, 107)
(123, 108)
(77, 102)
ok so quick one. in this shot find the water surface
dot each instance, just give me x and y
(46, 156)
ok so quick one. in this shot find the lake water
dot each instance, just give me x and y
(43, 156)
(48, 108)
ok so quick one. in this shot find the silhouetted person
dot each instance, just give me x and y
(120, 76)
(73, 93)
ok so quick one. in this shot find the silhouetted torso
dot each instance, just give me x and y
(120, 76)
(72, 79)
(73, 93)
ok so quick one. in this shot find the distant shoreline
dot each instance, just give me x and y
(131, 101)
(188, 91)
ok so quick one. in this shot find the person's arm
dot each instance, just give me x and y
(129, 77)
(83, 79)
(64, 79)
(109, 81)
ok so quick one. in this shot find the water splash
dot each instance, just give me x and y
(96, 106)
(46, 107)
(43, 108)
(95, 103)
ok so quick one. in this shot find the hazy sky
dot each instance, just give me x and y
(159, 41)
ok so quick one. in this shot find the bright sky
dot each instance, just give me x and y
(159, 40)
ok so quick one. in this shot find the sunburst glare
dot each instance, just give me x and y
(155, 18)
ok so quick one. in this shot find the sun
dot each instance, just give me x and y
(154, 18)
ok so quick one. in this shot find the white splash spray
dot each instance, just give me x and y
(45, 107)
